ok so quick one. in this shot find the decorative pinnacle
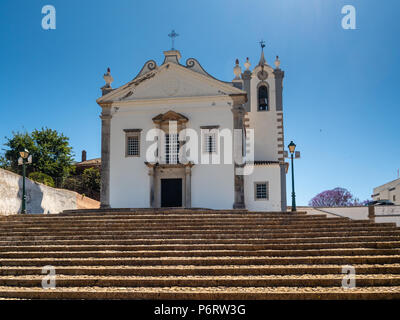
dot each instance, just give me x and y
(247, 64)
(277, 62)
(237, 70)
(108, 78)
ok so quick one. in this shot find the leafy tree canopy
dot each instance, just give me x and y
(338, 197)
(42, 178)
(50, 150)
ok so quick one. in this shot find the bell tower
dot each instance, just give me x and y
(264, 107)
(264, 114)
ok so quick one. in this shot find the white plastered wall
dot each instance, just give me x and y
(271, 174)
(212, 185)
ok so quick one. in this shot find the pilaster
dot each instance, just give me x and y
(105, 155)
(238, 123)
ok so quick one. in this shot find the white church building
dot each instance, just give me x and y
(175, 136)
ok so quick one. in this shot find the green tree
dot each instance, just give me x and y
(91, 181)
(4, 163)
(50, 150)
(42, 178)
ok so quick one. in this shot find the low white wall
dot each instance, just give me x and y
(355, 213)
(388, 214)
(382, 213)
(39, 198)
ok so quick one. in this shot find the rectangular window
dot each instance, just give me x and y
(261, 190)
(210, 142)
(394, 198)
(171, 149)
(132, 142)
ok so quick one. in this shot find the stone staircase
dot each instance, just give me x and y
(197, 254)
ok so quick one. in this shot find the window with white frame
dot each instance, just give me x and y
(261, 190)
(210, 138)
(132, 142)
(171, 148)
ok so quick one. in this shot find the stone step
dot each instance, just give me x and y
(329, 280)
(182, 231)
(314, 219)
(205, 293)
(235, 235)
(188, 241)
(191, 247)
(189, 224)
(173, 211)
(162, 227)
(223, 270)
(201, 253)
(201, 261)
(154, 215)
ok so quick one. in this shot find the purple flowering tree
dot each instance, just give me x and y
(338, 197)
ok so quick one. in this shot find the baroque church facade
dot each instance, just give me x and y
(175, 136)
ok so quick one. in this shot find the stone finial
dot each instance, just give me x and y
(108, 78)
(277, 62)
(247, 64)
(237, 70)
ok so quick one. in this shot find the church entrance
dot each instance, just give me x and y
(171, 192)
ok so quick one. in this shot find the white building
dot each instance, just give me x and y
(143, 120)
(389, 191)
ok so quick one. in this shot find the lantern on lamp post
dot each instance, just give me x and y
(293, 154)
(24, 159)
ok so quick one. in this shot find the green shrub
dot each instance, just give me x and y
(42, 178)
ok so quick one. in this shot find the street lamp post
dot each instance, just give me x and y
(293, 155)
(24, 160)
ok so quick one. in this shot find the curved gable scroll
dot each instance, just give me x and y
(148, 66)
(194, 65)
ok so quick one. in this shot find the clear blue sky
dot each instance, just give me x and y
(340, 89)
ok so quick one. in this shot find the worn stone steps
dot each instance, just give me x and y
(163, 242)
(196, 254)
(192, 270)
(205, 293)
(220, 222)
(198, 235)
(203, 281)
(188, 225)
(202, 261)
(191, 225)
(167, 215)
(201, 253)
(208, 232)
(208, 246)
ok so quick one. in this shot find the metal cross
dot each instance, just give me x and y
(173, 35)
(262, 44)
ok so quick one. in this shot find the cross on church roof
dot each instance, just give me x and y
(262, 44)
(173, 35)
